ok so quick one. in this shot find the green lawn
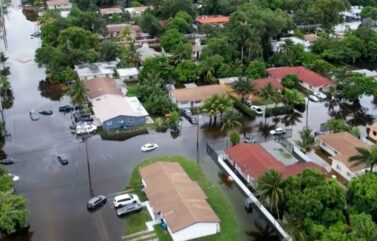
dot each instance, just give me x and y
(137, 221)
(229, 227)
(132, 90)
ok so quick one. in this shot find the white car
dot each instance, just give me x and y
(313, 98)
(85, 129)
(14, 177)
(257, 109)
(320, 95)
(278, 131)
(149, 147)
(125, 199)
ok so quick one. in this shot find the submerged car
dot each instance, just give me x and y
(125, 199)
(319, 95)
(257, 109)
(130, 208)
(85, 129)
(7, 161)
(313, 98)
(149, 147)
(66, 108)
(96, 202)
(278, 131)
(34, 116)
(63, 161)
(45, 112)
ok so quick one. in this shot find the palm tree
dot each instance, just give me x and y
(125, 35)
(4, 86)
(294, 228)
(292, 118)
(230, 121)
(207, 70)
(269, 188)
(132, 55)
(243, 87)
(78, 93)
(307, 140)
(366, 156)
(268, 93)
(223, 103)
(209, 107)
(3, 59)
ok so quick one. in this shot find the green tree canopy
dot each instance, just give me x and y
(256, 69)
(290, 81)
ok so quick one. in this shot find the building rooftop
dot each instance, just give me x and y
(306, 75)
(108, 11)
(345, 145)
(137, 10)
(109, 106)
(103, 68)
(212, 20)
(116, 27)
(366, 72)
(147, 52)
(198, 93)
(261, 83)
(101, 86)
(180, 200)
(57, 2)
(125, 72)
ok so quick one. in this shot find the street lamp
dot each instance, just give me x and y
(85, 139)
(197, 139)
(307, 114)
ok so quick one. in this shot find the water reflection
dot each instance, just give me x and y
(7, 100)
(53, 92)
(292, 118)
(263, 233)
(22, 235)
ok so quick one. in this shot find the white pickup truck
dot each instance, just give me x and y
(85, 129)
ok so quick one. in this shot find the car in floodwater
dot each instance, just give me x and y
(7, 161)
(130, 208)
(96, 202)
(34, 116)
(62, 160)
(45, 112)
(66, 108)
(149, 147)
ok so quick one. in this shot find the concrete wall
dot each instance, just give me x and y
(195, 231)
(342, 169)
(121, 122)
(88, 77)
(61, 7)
(188, 104)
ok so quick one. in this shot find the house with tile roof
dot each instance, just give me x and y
(309, 79)
(341, 147)
(212, 20)
(253, 160)
(178, 201)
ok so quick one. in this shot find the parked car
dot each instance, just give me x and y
(250, 139)
(194, 120)
(7, 161)
(63, 161)
(313, 98)
(247, 102)
(66, 108)
(125, 199)
(96, 202)
(149, 147)
(319, 95)
(257, 109)
(278, 131)
(81, 116)
(85, 129)
(36, 34)
(45, 112)
(14, 177)
(130, 208)
(34, 116)
(186, 112)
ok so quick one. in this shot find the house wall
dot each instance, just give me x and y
(246, 176)
(342, 169)
(129, 78)
(88, 77)
(312, 88)
(60, 7)
(327, 148)
(195, 231)
(122, 121)
(372, 134)
(189, 104)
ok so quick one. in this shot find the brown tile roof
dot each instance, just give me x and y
(345, 145)
(212, 20)
(100, 86)
(180, 200)
(304, 74)
(254, 160)
(261, 83)
(57, 2)
(117, 28)
(106, 11)
(198, 93)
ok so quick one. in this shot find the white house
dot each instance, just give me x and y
(178, 201)
(137, 11)
(128, 74)
(94, 70)
(58, 5)
(367, 72)
(341, 146)
(192, 96)
(277, 46)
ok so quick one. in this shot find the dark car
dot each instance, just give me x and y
(130, 208)
(7, 161)
(36, 34)
(96, 202)
(193, 120)
(82, 117)
(45, 112)
(63, 161)
(66, 108)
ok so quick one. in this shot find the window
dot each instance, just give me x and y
(109, 123)
(120, 121)
(374, 133)
(131, 119)
(184, 102)
(338, 167)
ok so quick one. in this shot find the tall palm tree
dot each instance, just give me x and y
(209, 107)
(243, 87)
(133, 55)
(230, 120)
(4, 86)
(268, 93)
(223, 103)
(269, 188)
(366, 156)
(78, 93)
(307, 140)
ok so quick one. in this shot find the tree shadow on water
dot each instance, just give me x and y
(263, 233)
(50, 91)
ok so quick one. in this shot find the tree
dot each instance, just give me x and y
(130, 55)
(256, 69)
(88, 20)
(6, 182)
(174, 119)
(328, 11)
(3, 59)
(160, 67)
(169, 8)
(13, 213)
(186, 71)
(208, 68)
(171, 38)
(293, 97)
(230, 120)
(355, 85)
(307, 140)
(158, 104)
(150, 24)
(270, 189)
(234, 138)
(362, 194)
(4, 86)
(339, 125)
(290, 81)
(365, 156)
(243, 87)
(109, 51)
(78, 93)
(369, 12)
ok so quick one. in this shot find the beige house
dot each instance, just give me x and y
(341, 147)
(101, 86)
(58, 5)
(114, 30)
(178, 201)
(110, 11)
(372, 132)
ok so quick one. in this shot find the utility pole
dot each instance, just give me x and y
(197, 139)
(88, 165)
(307, 114)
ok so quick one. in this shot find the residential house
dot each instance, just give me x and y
(341, 146)
(278, 45)
(146, 52)
(193, 96)
(94, 70)
(310, 37)
(253, 160)
(372, 132)
(367, 73)
(100, 86)
(137, 11)
(128, 74)
(259, 84)
(59, 5)
(309, 79)
(178, 201)
(212, 20)
(118, 112)
(114, 30)
(110, 11)
(353, 14)
(341, 28)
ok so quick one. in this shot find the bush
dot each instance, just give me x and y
(243, 108)
(121, 135)
(234, 138)
(279, 110)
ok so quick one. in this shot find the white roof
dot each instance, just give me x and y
(125, 72)
(277, 45)
(109, 106)
(84, 70)
(228, 80)
(146, 52)
(366, 72)
(343, 27)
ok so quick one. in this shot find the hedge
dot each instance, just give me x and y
(243, 108)
(279, 110)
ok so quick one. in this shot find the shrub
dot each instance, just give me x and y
(234, 138)
(243, 108)
(279, 110)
